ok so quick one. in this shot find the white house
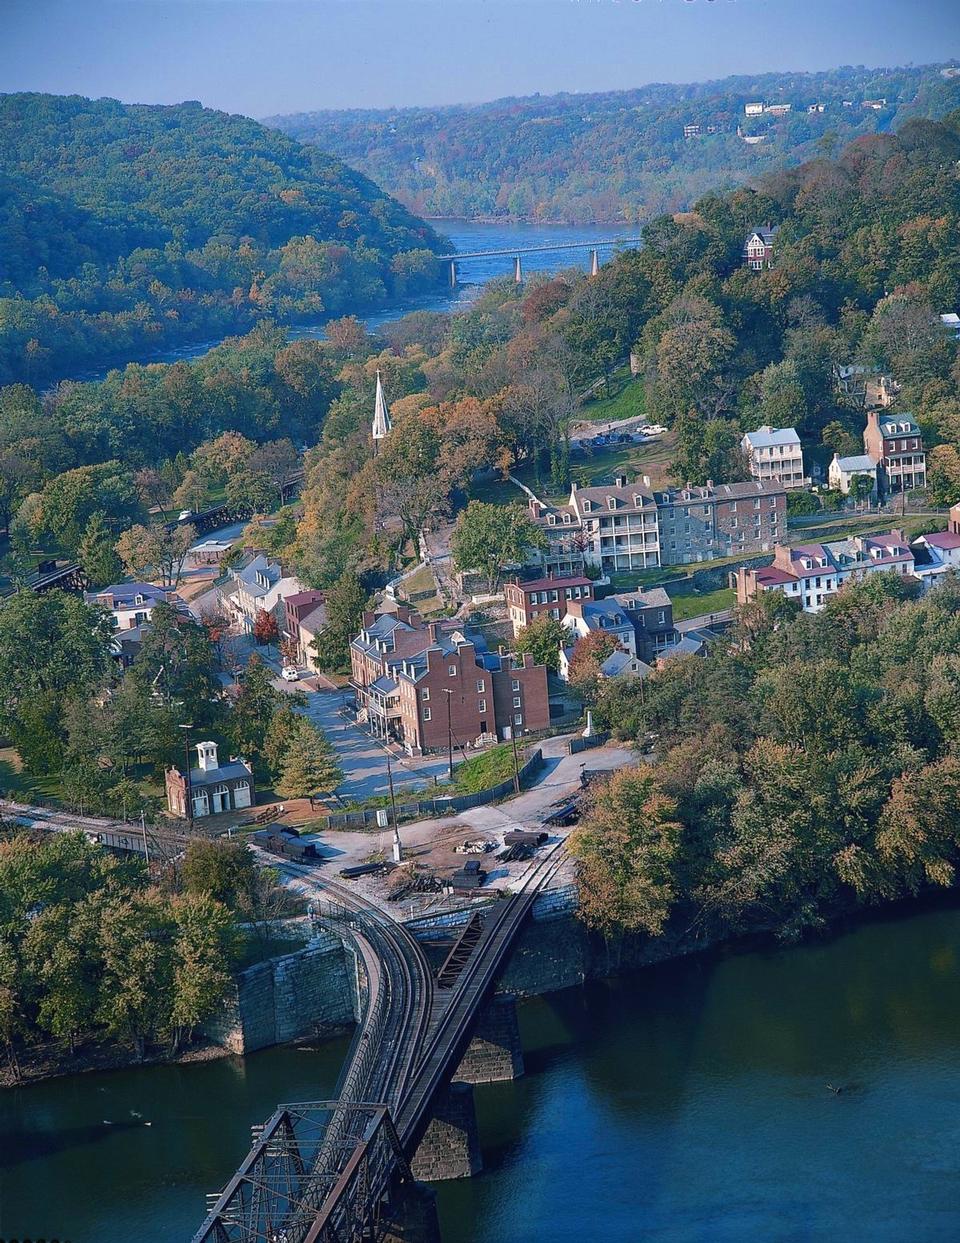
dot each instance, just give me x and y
(775, 454)
(753, 110)
(131, 605)
(951, 322)
(843, 470)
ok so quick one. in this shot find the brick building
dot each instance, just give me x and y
(425, 684)
(296, 608)
(543, 597)
(896, 445)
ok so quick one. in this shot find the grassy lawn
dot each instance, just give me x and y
(496, 491)
(20, 785)
(480, 772)
(602, 465)
(627, 400)
(836, 526)
(689, 602)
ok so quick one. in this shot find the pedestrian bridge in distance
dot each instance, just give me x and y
(517, 252)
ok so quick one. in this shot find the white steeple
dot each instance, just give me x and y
(381, 414)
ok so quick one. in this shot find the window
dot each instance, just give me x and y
(425, 694)
(481, 686)
(482, 705)
(452, 670)
(517, 702)
(426, 714)
(516, 684)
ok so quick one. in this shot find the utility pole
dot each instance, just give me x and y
(516, 763)
(186, 776)
(393, 808)
(143, 830)
(448, 694)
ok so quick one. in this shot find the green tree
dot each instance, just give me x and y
(205, 945)
(53, 647)
(310, 765)
(488, 538)
(222, 870)
(96, 553)
(345, 602)
(154, 552)
(627, 848)
(137, 985)
(544, 638)
(253, 709)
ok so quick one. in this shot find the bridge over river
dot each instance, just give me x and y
(594, 246)
(342, 1171)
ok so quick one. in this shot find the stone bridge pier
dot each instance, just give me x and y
(450, 1147)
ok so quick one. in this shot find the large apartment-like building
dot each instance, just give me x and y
(774, 453)
(427, 685)
(720, 520)
(895, 443)
(812, 573)
(622, 527)
(544, 597)
(260, 584)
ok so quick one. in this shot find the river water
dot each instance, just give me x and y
(466, 235)
(684, 1104)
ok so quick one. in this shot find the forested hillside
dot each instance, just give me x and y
(620, 155)
(123, 228)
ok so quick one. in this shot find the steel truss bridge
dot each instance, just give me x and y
(336, 1171)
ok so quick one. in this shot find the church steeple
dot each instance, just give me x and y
(381, 415)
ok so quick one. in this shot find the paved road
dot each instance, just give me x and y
(363, 759)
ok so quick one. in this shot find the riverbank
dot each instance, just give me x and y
(51, 1061)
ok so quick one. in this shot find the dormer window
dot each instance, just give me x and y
(587, 506)
(551, 520)
(138, 599)
(566, 519)
(611, 502)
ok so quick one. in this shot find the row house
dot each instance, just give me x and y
(619, 522)
(698, 523)
(640, 621)
(543, 597)
(812, 573)
(258, 584)
(895, 444)
(843, 470)
(296, 609)
(428, 686)
(774, 453)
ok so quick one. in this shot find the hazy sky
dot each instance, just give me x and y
(270, 56)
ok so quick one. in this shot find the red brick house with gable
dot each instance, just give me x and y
(421, 684)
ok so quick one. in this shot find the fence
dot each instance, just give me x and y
(433, 806)
(576, 745)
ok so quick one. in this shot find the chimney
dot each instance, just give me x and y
(535, 508)
(433, 629)
(645, 479)
(710, 484)
(621, 481)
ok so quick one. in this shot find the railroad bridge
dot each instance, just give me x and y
(345, 1170)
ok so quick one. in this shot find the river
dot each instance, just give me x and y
(466, 235)
(684, 1104)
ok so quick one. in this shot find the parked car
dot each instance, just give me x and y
(184, 514)
(289, 674)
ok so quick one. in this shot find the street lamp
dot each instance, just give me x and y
(186, 776)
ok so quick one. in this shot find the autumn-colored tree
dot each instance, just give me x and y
(627, 848)
(586, 659)
(265, 629)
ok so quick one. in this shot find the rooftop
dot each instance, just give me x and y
(861, 462)
(769, 437)
(546, 584)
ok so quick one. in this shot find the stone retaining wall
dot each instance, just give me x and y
(312, 992)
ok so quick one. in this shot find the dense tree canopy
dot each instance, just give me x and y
(126, 227)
